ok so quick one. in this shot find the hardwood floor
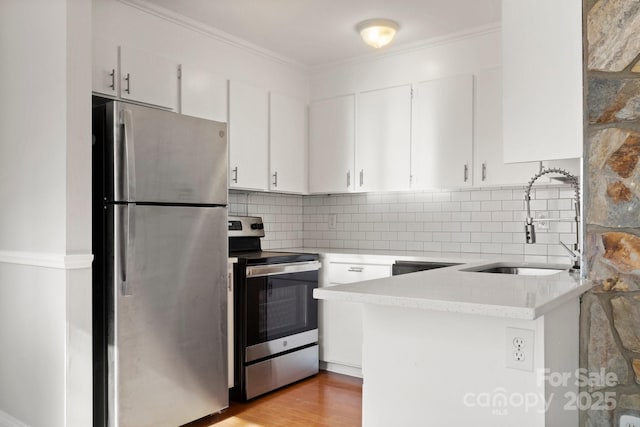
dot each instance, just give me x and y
(327, 399)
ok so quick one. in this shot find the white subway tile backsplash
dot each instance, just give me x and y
(501, 195)
(488, 220)
(481, 237)
(460, 196)
(471, 226)
(495, 205)
(398, 245)
(451, 247)
(481, 216)
(443, 196)
(451, 226)
(481, 195)
(501, 216)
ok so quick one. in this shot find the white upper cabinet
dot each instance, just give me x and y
(287, 144)
(248, 136)
(383, 142)
(105, 67)
(542, 81)
(148, 78)
(442, 139)
(331, 145)
(489, 167)
(202, 94)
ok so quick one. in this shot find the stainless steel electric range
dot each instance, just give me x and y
(275, 314)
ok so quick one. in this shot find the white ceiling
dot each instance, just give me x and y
(314, 32)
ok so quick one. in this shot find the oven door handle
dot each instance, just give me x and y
(272, 269)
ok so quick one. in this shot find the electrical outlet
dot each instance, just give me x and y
(519, 356)
(332, 221)
(519, 349)
(518, 343)
(629, 421)
(542, 224)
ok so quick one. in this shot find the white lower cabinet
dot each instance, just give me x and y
(340, 323)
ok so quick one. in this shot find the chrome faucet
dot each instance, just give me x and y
(530, 233)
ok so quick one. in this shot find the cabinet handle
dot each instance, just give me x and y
(112, 74)
(128, 80)
(466, 172)
(361, 177)
(356, 269)
(484, 171)
(275, 179)
(348, 178)
(235, 175)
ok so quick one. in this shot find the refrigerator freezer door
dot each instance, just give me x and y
(164, 157)
(168, 357)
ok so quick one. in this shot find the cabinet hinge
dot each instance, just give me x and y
(411, 93)
(179, 72)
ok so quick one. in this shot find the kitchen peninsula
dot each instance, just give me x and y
(445, 346)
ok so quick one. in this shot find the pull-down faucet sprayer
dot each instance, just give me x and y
(530, 234)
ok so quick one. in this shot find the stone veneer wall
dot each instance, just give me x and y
(610, 313)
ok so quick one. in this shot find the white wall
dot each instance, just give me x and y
(461, 54)
(45, 183)
(133, 27)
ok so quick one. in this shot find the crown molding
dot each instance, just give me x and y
(212, 32)
(408, 48)
(47, 260)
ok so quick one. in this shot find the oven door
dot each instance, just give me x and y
(280, 311)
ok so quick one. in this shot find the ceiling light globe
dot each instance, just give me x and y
(377, 32)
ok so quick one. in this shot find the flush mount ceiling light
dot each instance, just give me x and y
(377, 32)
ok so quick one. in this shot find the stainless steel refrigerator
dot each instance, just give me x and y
(160, 269)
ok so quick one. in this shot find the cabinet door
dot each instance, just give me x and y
(489, 167)
(442, 126)
(542, 103)
(202, 94)
(105, 67)
(148, 78)
(383, 142)
(341, 322)
(287, 144)
(248, 136)
(331, 145)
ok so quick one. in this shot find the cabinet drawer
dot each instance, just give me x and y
(340, 273)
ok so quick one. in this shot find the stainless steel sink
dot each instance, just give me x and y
(521, 270)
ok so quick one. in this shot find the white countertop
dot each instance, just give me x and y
(454, 290)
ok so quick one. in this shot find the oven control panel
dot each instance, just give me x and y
(245, 226)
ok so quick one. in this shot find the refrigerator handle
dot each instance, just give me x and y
(129, 156)
(127, 237)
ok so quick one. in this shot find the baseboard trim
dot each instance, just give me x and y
(47, 260)
(7, 420)
(352, 371)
